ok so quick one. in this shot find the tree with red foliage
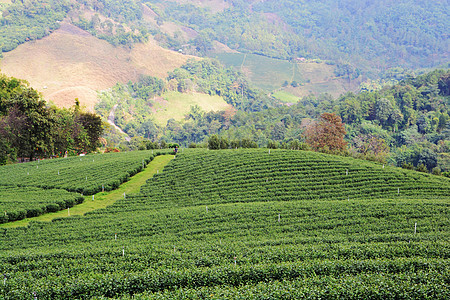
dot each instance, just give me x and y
(326, 134)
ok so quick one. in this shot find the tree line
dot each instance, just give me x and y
(30, 128)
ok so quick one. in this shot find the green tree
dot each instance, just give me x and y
(214, 142)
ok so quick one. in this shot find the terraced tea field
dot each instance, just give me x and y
(86, 174)
(32, 189)
(246, 224)
(19, 202)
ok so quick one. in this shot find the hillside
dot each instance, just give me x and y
(298, 78)
(357, 38)
(367, 36)
(246, 223)
(176, 105)
(71, 63)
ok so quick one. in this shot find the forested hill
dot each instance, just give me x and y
(357, 35)
(406, 124)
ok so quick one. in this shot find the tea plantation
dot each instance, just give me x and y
(84, 174)
(246, 224)
(32, 189)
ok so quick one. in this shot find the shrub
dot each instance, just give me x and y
(53, 207)
(34, 212)
(437, 171)
(422, 168)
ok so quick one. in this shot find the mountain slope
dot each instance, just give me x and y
(71, 63)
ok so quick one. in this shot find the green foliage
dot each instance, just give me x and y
(378, 123)
(25, 121)
(210, 77)
(367, 35)
(83, 174)
(30, 129)
(245, 223)
(30, 20)
(214, 142)
(33, 201)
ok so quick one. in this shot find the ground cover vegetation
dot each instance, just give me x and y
(29, 128)
(246, 223)
(289, 80)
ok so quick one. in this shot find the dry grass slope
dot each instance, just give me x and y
(176, 105)
(71, 63)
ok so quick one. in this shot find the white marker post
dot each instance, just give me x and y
(383, 166)
(58, 172)
(415, 228)
(92, 197)
(123, 251)
(279, 217)
(68, 212)
(115, 236)
(398, 191)
(206, 208)
(269, 151)
(346, 172)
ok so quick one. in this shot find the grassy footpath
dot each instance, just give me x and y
(102, 199)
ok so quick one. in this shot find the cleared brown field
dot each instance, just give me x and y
(71, 63)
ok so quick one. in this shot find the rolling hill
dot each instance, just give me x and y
(247, 224)
(71, 63)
